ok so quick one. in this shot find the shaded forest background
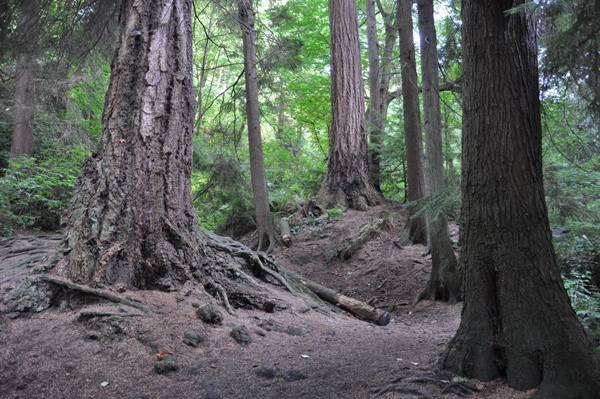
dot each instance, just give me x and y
(67, 46)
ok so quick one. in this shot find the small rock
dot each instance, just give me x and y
(168, 364)
(120, 287)
(294, 375)
(192, 337)
(241, 335)
(122, 349)
(211, 390)
(195, 369)
(293, 330)
(266, 371)
(260, 332)
(209, 314)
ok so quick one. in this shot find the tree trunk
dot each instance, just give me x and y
(374, 114)
(387, 59)
(516, 321)
(131, 221)
(416, 227)
(24, 108)
(444, 282)
(347, 180)
(264, 223)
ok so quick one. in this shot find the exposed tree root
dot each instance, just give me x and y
(256, 259)
(223, 296)
(92, 291)
(94, 313)
(222, 277)
(445, 381)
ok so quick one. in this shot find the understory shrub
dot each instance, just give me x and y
(585, 300)
(35, 192)
(579, 260)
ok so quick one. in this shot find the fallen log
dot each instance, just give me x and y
(367, 232)
(286, 235)
(354, 306)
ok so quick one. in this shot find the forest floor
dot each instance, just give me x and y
(305, 349)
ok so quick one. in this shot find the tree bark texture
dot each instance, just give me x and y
(444, 281)
(264, 223)
(374, 115)
(347, 181)
(516, 320)
(24, 107)
(387, 59)
(416, 228)
(131, 220)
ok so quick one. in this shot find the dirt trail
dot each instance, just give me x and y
(305, 349)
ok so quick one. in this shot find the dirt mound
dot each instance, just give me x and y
(305, 348)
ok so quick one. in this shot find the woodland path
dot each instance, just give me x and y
(305, 349)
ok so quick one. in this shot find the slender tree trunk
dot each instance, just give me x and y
(264, 223)
(416, 228)
(387, 59)
(374, 115)
(24, 108)
(347, 181)
(444, 282)
(516, 321)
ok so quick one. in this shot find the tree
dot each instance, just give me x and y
(444, 282)
(347, 180)
(131, 221)
(24, 110)
(374, 114)
(571, 42)
(516, 320)
(416, 230)
(264, 223)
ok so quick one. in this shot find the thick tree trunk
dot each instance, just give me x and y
(131, 220)
(516, 320)
(347, 181)
(374, 115)
(415, 231)
(264, 223)
(444, 282)
(24, 107)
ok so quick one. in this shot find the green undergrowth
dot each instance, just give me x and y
(35, 192)
(579, 260)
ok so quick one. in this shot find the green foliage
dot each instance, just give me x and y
(571, 156)
(221, 192)
(5, 142)
(334, 212)
(447, 202)
(34, 193)
(579, 261)
(585, 300)
(86, 96)
(581, 252)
